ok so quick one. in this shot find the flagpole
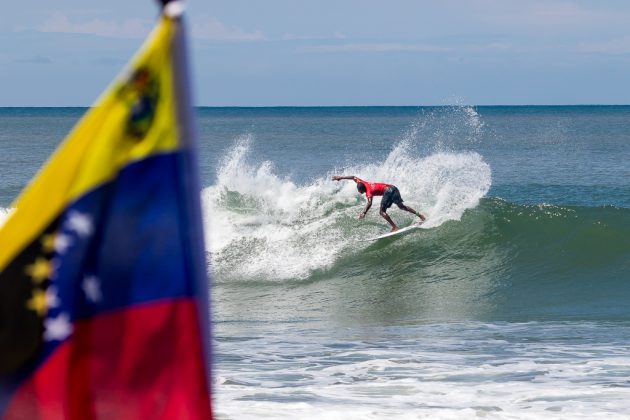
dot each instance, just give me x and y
(189, 170)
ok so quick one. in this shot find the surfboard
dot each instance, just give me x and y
(402, 231)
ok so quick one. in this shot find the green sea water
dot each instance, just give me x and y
(511, 302)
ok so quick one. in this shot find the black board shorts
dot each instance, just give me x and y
(391, 196)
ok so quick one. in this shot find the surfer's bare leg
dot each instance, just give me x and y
(385, 216)
(410, 210)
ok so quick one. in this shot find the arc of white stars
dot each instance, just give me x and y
(62, 243)
(58, 328)
(81, 223)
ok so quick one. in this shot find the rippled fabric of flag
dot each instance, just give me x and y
(103, 290)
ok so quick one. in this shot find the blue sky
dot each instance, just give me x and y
(323, 52)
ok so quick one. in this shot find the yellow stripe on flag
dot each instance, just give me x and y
(108, 137)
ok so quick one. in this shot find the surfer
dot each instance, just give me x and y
(390, 195)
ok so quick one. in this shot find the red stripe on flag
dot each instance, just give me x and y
(144, 362)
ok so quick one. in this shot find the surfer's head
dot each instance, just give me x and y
(361, 187)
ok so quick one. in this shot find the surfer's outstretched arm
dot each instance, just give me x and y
(339, 178)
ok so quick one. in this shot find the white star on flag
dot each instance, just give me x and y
(62, 243)
(58, 328)
(79, 222)
(52, 300)
(92, 288)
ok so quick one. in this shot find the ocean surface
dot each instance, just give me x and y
(512, 302)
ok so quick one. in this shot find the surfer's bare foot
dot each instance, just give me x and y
(422, 217)
(394, 229)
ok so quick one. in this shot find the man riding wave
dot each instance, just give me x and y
(390, 195)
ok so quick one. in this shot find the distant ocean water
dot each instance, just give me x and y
(513, 302)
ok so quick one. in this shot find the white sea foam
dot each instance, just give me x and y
(467, 371)
(261, 225)
(4, 214)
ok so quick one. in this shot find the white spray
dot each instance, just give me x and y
(4, 215)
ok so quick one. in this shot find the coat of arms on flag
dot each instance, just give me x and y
(103, 285)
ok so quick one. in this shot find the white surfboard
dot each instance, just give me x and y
(402, 231)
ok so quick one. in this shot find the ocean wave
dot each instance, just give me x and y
(541, 242)
(260, 226)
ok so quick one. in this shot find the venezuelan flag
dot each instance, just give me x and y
(103, 284)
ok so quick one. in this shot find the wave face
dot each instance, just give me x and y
(510, 262)
(262, 227)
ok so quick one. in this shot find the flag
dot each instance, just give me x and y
(103, 284)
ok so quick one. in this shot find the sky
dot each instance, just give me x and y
(331, 52)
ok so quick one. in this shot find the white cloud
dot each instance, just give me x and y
(207, 29)
(375, 47)
(211, 29)
(292, 37)
(548, 14)
(618, 46)
(132, 28)
(397, 47)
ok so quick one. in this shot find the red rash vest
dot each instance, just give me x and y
(372, 188)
